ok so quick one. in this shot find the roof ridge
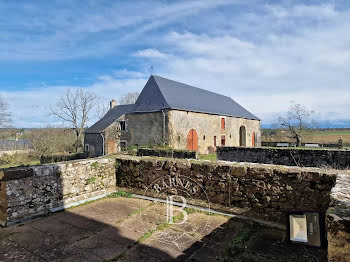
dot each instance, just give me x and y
(202, 89)
(161, 92)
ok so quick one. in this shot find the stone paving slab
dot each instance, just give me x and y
(101, 247)
(13, 252)
(128, 229)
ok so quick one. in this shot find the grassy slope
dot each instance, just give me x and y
(318, 136)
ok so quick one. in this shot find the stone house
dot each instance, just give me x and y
(176, 114)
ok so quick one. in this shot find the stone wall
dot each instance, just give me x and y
(207, 126)
(257, 190)
(339, 159)
(263, 191)
(95, 142)
(37, 190)
(338, 221)
(184, 154)
(146, 128)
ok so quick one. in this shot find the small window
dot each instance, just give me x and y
(87, 147)
(223, 140)
(123, 145)
(122, 125)
(214, 140)
(230, 136)
(223, 124)
(204, 137)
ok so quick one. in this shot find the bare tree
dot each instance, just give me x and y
(298, 121)
(129, 98)
(102, 108)
(74, 108)
(5, 116)
(51, 140)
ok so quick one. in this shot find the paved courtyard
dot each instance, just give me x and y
(129, 229)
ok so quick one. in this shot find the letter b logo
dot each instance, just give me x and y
(170, 209)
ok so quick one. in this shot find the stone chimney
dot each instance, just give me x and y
(113, 103)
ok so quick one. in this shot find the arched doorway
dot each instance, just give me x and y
(242, 136)
(253, 139)
(192, 140)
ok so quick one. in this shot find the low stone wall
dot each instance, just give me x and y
(338, 221)
(170, 154)
(339, 159)
(36, 190)
(262, 191)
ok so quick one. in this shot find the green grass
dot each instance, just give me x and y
(90, 180)
(138, 211)
(190, 210)
(211, 157)
(238, 244)
(111, 195)
(120, 193)
(94, 165)
(30, 163)
(331, 133)
(159, 227)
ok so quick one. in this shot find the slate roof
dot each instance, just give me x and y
(161, 93)
(111, 116)
(6, 144)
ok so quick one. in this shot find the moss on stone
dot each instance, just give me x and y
(90, 180)
(95, 165)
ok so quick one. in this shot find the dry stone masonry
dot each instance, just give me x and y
(263, 191)
(183, 154)
(339, 159)
(257, 190)
(32, 191)
(338, 221)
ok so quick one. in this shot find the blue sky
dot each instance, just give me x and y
(266, 55)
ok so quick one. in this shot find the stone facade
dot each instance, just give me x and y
(93, 145)
(107, 142)
(147, 128)
(263, 191)
(32, 191)
(172, 127)
(339, 159)
(208, 127)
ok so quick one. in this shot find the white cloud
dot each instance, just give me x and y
(309, 66)
(263, 56)
(316, 12)
(32, 107)
(37, 32)
(150, 53)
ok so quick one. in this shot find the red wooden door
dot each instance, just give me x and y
(192, 140)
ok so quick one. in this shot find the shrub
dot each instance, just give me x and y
(60, 158)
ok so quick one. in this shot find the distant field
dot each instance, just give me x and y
(317, 136)
(329, 136)
(332, 133)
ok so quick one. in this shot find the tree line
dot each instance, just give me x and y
(74, 109)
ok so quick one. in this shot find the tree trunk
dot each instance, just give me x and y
(298, 141)
(78, 142)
